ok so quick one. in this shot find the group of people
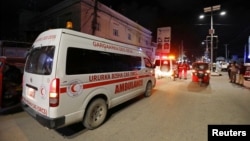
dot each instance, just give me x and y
(234, 69)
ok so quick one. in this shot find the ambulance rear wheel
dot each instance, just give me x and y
(95, 114)
(148, 91)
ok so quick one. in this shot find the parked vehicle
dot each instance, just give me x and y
(12, 60)
(200, 73)
(164, 66)
(246, 82)
(10, 84)
(224, 66)
(72, 77)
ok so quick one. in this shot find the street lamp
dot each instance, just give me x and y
(211, 9)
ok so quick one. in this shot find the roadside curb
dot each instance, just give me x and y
(216, 74)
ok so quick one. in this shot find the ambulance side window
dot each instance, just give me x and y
(84, 61)
(103, 62)
(136, 63)
(148, 64)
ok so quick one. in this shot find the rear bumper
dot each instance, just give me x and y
(51, 123)
(205, 79)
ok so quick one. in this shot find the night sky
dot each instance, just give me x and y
(181, 15)
(232, 30)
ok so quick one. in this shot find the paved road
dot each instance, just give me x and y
(177, 111)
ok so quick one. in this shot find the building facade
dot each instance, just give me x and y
(95, 18)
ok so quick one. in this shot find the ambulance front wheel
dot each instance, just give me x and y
(95, 114)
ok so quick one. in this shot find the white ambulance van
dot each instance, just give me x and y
(74, 77)
(164, 66)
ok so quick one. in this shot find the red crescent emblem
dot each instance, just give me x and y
(73, 88)
(42, 91)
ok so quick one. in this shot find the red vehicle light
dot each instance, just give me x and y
(54, 92)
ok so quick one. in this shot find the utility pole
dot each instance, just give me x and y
(211, 30)
(94, 21)
(245, 53)
(207, 51)
(226, 54)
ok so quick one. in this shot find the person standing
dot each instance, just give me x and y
(175, 70)
(242, 70)
(233, 72)
(218, 66)
(180, 69)
(185, 68)
(229, 70)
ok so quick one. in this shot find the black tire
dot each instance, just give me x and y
(95, 114)
(148, 91)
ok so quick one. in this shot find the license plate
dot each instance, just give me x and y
(31, 92)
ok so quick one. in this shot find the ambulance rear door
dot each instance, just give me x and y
(40, 85)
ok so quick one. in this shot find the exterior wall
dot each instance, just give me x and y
(108, 20)
(82, 13)
(86, 18)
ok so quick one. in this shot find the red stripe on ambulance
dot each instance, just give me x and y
(97, 84)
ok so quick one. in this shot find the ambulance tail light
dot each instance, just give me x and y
(170, 57)
(54, 93)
